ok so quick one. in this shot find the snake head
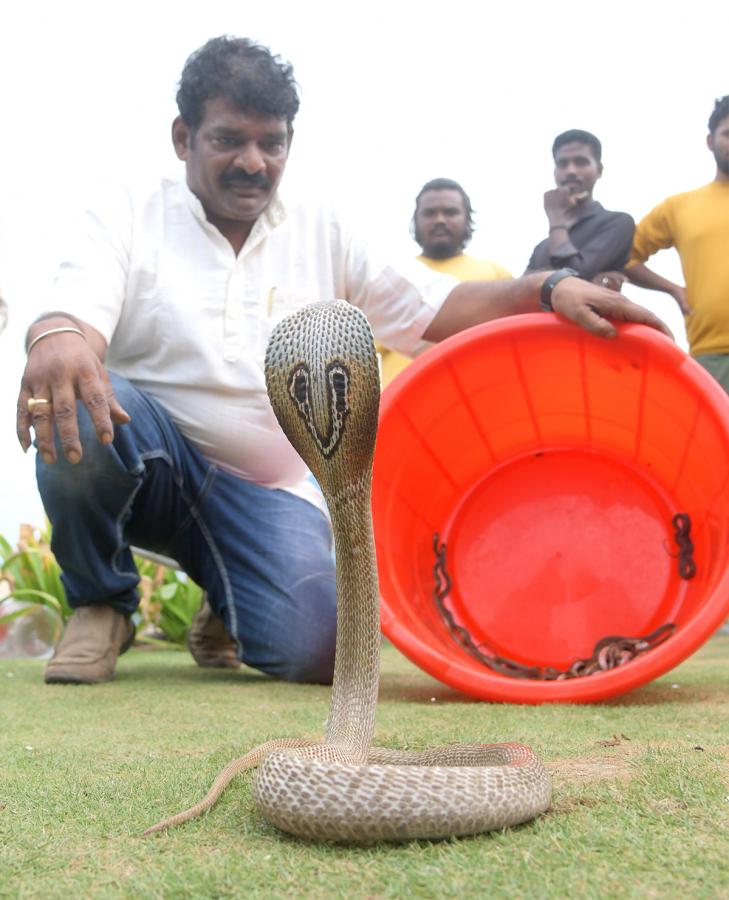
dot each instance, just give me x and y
(323, 383)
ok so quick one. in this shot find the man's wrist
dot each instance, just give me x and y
(549, 284)
(49, 321)
(66, 329)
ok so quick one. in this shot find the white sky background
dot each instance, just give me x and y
(393, 94)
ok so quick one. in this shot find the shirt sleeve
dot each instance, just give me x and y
(92, 277)
(653, 233)
(608, 249)
(399, 301)
(539, 258)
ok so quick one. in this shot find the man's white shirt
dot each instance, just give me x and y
(188, 322)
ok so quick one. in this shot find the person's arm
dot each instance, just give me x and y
(559, 205)
(654, 232)
(64, 366)
(588, 305)
(644, 277)
(533, 264)
(606, 250)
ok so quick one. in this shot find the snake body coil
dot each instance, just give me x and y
(323, 382)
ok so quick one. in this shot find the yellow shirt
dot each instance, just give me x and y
(464, 268)
(696, 223)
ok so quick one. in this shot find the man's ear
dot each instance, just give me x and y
(291, 135)
(181, 136)
(710, 141)
(599, 170)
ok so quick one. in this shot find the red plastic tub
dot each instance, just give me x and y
(551, 463)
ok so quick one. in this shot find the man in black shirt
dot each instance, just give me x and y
(582, 234)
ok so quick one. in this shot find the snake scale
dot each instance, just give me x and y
(322, 379)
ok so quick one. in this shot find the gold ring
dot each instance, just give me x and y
(36, 401)
(606, 281)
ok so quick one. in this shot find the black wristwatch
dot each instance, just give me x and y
(549, 285)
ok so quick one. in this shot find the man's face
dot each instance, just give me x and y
(576, 169)
(234, 161)
(441, 223)
(718, 143)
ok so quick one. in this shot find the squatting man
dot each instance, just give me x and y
(145, 389)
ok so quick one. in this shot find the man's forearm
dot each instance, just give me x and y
(561, 247)
(644, 277)
(473, 302)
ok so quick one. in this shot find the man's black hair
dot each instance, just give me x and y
(241, 71)
(576, 135)
(447, 184)
(721, 111)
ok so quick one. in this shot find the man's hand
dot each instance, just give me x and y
(559, 203)
(591, 306)
(613, 280)
(62, 368)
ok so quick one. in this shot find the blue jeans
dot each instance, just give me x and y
(263, 556)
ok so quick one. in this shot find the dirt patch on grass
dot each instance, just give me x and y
(612, 762)
(587, 769)
(571, 777)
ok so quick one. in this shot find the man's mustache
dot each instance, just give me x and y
(258, 180)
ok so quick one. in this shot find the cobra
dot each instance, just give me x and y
(323, 382)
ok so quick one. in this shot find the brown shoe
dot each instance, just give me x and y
(94, 637)
(209, 642)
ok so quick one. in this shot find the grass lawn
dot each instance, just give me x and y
(641, 788)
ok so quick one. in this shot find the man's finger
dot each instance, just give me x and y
(592, 321)
(66, 422)
(626, 311)
(118, 414)
(96, 395)
(658, 323)
(23, 420)
(41, 418)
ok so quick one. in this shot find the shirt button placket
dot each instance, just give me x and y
(232, 325)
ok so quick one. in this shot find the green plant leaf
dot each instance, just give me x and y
(41, 598)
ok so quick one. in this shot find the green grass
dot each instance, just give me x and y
(641, 799)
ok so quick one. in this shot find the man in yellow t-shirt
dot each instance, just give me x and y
(443, 225)
(696, 223)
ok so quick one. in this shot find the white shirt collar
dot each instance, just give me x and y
(274, 214)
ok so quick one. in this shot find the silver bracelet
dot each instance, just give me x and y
(52, 331)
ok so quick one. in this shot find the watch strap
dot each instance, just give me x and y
(549, 284)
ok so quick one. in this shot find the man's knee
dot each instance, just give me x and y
(312, 634)
(300, 646)
(313, 661)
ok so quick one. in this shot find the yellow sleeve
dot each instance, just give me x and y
(654, 232)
